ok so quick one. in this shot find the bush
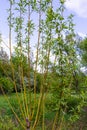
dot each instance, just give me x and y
(6, 85)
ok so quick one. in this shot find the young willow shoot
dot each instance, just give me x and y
(40, 25)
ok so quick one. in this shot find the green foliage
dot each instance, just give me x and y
(83, 48)
(5, 69)
(74, 106)
(6, 85)
(6, 123)
(56, 57)
(7, 119)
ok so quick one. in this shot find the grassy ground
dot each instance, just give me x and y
(9, 122)
(7, 118)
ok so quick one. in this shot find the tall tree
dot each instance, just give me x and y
(53, 47)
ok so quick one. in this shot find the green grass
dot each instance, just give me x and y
(7, 114)
(8, 120)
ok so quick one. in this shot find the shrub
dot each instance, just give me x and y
(6, 85)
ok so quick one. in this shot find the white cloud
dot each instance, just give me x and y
(78, 6)
(82, 34)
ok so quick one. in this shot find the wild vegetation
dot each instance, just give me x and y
(46, 90)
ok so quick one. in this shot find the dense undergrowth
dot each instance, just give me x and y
(9, 122)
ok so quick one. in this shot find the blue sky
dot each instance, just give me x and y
(3, 16)
(77, 7)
